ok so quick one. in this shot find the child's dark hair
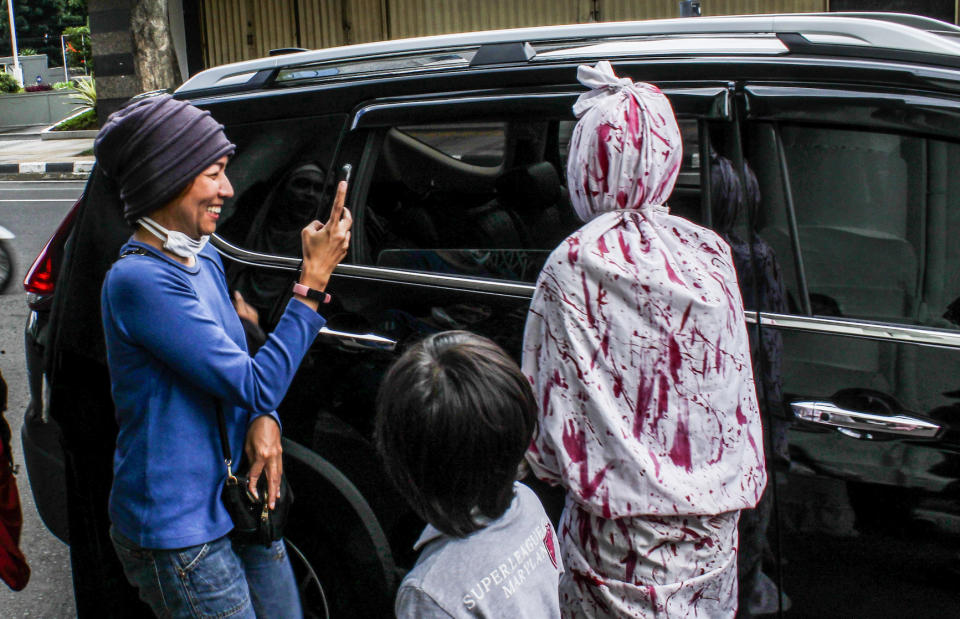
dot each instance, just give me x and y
(454, 418)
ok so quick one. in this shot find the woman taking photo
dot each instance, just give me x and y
(176, 352)
(637, 349)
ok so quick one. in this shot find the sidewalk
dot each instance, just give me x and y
(24, 155)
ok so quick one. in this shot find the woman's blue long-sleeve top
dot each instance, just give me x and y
(174, 345)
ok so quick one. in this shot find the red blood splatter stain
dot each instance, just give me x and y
(661, 138)
(625, 248)
(602, 246)
(632, 116)
(675, 359)
(656, 464)
(607, 513)
(719, 455)
(622, 199)
(588, 487)
(630, 564)
(680, 452)
(641, 193)
(586, 300)
(686, 314)
(617, 385)
(741, 419)
(603, 133)
(557, 380)
(718, 358)
(670, 272)
(574, 441)
(652, 592)
(703, 541)
(644, 394)
(573, 249)
(588, 583)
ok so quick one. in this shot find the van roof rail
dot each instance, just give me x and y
(860, 32)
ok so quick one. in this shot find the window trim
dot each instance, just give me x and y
(862, 329)
(714, 102)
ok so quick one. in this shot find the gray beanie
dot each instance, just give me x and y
(154, 147)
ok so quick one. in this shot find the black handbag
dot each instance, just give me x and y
(253, 520)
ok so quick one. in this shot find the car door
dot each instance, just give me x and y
(458, 201)
(858, 213)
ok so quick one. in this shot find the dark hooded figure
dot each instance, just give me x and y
(761, 286)
(275, 229)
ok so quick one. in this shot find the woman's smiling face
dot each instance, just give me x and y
(195, 211)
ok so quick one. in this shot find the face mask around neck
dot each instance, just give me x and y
(175, 242)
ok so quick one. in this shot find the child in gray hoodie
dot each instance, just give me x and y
(454, 418)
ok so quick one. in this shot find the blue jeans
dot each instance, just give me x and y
(217, 579)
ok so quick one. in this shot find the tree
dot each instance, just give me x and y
(153, 51)
(40, 23)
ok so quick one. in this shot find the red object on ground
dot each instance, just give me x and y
(13, 565)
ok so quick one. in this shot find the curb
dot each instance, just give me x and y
(79, 169)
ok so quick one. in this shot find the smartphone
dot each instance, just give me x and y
(345, 172)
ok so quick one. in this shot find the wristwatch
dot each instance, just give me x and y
(310, 293)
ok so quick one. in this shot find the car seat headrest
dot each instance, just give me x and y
(530, 188)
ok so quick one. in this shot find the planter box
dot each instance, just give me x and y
(35, 108)
(50, 134)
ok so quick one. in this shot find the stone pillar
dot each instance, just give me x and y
(133, 50)
(113, 59)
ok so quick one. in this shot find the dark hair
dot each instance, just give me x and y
(454, 417)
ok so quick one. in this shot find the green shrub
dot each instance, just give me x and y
(62, 85)
(8, 83)
(86, 120)
(28, 51)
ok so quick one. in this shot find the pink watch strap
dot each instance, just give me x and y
(310, 293)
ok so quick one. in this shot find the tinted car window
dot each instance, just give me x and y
(438, 202)
(477, 144)
(873, 220)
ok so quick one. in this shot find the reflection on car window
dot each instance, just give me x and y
(288, 206)
(280, 176)
(477, 144)
(873, 222)
(498, 216)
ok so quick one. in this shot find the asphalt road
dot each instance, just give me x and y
(31, 210)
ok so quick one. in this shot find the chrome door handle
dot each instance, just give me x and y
(361, 341)
(829, 414)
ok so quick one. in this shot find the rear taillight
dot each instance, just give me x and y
(42, 275)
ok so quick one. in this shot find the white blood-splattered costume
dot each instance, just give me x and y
(637, 349)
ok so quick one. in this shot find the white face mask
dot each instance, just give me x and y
(175, 242)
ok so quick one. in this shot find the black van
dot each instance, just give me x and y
(847, 129)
